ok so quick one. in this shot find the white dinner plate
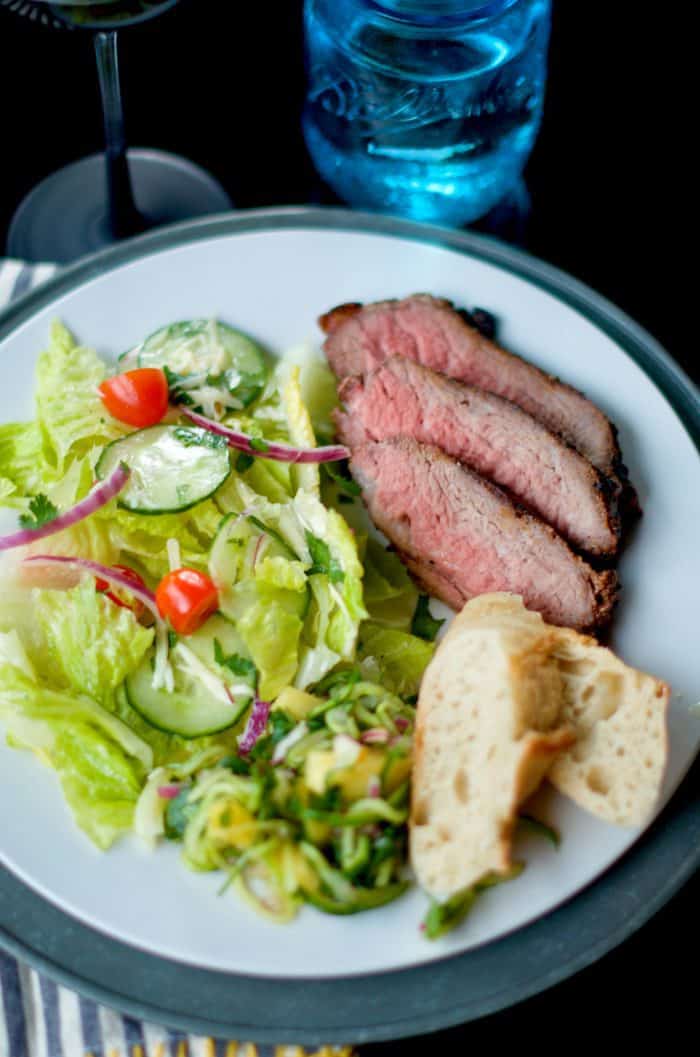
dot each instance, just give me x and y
(273, 280)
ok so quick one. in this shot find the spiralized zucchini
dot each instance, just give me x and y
(316, 812)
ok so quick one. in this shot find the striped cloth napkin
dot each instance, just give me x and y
(38, 1018)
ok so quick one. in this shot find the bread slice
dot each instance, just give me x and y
(616, 768)
(487, 731)
(506, 700)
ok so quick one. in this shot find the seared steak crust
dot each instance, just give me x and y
(431, 331)
(464, 537)
(492, 436)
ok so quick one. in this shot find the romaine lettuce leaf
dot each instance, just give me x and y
(349, 610)
(268, 421)
(389, 593)
(277, 571)
(271, 633)
(141, 539)
(301, 432)
(262, 476)
(318, 387)
(92, 644)
(325, 545)
(98, 780)
(23, 471)
(393, 658)
(70, 414)
(101, 763)
(88, 539)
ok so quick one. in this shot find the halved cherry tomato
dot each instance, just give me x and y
(139, 398)
(111, 592)
(186, 598)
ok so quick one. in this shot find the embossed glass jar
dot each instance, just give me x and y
(424, 108)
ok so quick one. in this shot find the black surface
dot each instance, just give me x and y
(222, 83)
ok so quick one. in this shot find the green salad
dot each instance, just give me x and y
(197, 634)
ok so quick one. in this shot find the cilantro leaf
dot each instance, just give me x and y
(172, 377)
(244, 461)
(281, 724)
(424, 624)
(178, 813)
(331, 800)
(191, 438)
(346, 486)
(174, 380)
(235, 764)
(237, 664)
(322, 559)
(42, 511)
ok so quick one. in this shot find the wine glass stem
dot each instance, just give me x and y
(124, 217)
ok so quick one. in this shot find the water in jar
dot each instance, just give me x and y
(424, 108)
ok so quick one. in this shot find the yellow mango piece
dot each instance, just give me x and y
(297, 703)
(231, 825)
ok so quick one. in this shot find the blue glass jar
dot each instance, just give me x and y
(424, 108)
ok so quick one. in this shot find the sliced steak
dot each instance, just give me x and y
(493, 436)
(464, 537)
(432, 332)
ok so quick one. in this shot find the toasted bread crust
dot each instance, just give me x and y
(481, 747)
(506, 702)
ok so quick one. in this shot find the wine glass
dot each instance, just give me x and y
(96, 201)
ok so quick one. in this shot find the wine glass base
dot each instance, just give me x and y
(65, 216)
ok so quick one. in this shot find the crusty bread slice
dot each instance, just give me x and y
(486, 734)
(617, 765)
(506, 700)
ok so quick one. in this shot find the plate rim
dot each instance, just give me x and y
(637, 877)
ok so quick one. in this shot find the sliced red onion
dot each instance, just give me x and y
(402, 723)
(374, 787)
(273, 450)
(257, 721)
(97, 498)
(374, 736)
(104, 572)
(168, 792)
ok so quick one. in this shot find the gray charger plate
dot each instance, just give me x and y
(412, 1001)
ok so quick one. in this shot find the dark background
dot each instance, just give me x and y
(222, 82)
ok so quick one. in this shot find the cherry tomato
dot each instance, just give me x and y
(139, 398)
(125, 600)
(186, 598)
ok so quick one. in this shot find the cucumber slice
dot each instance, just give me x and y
(204, 346)
(172, 468)
(232, 567)
(217, 629)
(199, 703)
